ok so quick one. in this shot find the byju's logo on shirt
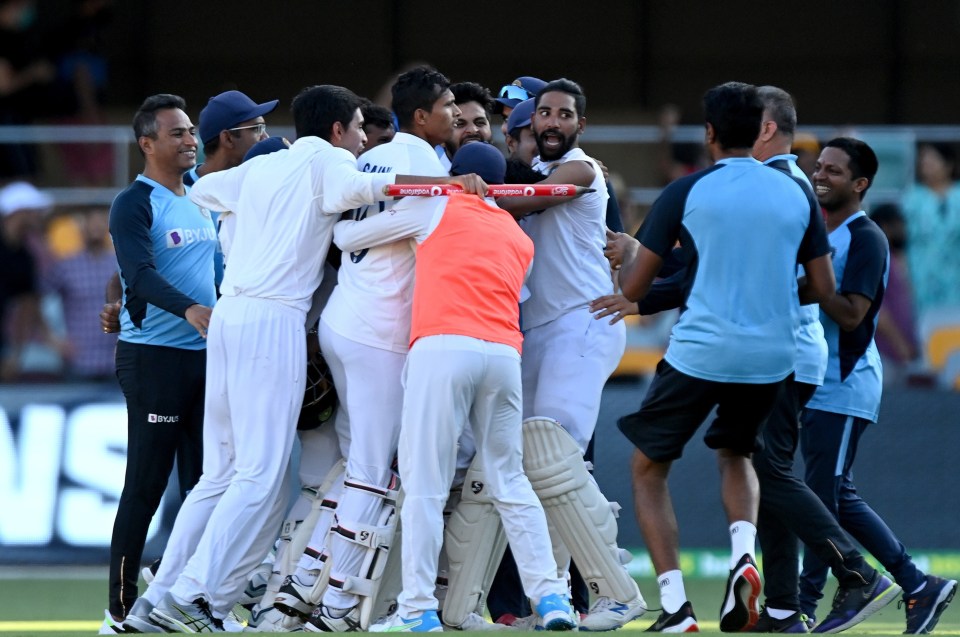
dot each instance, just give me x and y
(179, 237)
(161, 419)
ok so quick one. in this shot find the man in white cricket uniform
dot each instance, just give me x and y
(463, 372)
(286, 205)
(568, 354)
(365, 334)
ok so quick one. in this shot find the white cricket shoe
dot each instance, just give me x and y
(475, 622)
(607, 613)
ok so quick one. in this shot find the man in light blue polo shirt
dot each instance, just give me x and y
(165, 246)
(848, 402)
(743, 228)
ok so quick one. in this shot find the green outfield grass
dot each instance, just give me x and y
(43, 603)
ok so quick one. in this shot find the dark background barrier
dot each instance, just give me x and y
(62, 456)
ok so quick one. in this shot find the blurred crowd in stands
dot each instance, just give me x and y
(54, 74)
(55, 260)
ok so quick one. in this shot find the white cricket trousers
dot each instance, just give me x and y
(369, 388)
(566, 363)
(256, 369)
(451, 382)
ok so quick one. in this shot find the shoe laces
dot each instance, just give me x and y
(840, 597)
(603, 603)
(204, 607)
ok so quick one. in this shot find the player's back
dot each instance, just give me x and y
(745, 223)
(280, 239)
(371, 303)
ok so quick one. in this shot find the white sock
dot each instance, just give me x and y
(743, 540)
(672, 593)
(779, 613)
(919, 588)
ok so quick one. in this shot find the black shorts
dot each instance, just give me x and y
(676, 405)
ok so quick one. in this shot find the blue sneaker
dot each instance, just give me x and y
(926, 605)
(428, 622)
(556, 613)
(853, 605)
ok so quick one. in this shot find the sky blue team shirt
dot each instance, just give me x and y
(165, 246)
(854, 380)
(189, 178)
(743, 228)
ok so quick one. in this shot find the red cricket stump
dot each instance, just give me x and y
(493, 190)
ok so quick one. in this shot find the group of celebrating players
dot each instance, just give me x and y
(447, 445)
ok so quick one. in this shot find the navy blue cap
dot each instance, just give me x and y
(522, 88)
(479, 157)
(520, 116)
(266, 146)
(227, 110)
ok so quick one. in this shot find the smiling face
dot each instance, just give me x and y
(556, 125)
(472, 125)
(174, 147)
(833, 180)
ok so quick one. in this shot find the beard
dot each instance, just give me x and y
(566, 143)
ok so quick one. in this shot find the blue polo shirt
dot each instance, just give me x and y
(743, 228)
(189, 178)
(811, 346)
(854, 380)
(165, 246)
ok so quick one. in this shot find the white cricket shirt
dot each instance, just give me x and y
(286, 205)
(374, 295)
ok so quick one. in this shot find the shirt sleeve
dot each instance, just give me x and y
(661, 228)
(342, 186)
(815, 242)
(130, 220)
(614, 220)
(866, 263)
(410, 218)
(219, 190)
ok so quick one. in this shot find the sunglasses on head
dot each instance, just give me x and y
(514, 92)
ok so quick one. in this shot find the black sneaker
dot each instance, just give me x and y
(853, 605)
(741, 601)
(925, 606)
(682, 621)
(796, 623)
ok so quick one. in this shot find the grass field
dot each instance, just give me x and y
(45, 602)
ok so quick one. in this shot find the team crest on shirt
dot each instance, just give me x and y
(205, 212)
